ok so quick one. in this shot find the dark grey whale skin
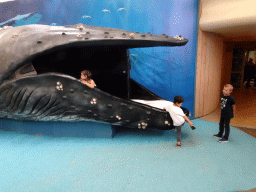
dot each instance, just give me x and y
(41, 99)
(59, 97)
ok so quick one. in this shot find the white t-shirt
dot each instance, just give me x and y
(176, 113)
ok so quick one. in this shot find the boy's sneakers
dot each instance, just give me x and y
(223, 140)
(217, 136)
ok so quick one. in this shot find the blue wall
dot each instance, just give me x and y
(167, 71)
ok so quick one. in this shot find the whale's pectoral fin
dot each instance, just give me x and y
(27, 98)
(63, 98)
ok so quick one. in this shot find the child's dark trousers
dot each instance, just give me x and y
(224, 123)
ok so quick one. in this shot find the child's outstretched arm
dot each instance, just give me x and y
(188, 120)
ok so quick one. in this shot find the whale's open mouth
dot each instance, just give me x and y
(69, 50)
(108, 64)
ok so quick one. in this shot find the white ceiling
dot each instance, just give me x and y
(230, 18)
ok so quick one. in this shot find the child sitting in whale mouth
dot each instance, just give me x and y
(86, 78)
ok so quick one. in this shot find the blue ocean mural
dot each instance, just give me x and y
(26, 19)
(167, 71)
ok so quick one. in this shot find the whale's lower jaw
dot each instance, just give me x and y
(55, 97)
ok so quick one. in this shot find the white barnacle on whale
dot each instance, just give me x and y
(93, 101)
(81, 27)
(79, 36)
(131, 34)
(144, 125)
(179, 37)
(59, 86)
(118, 117)
(15, 35)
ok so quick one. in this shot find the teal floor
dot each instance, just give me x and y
(132, 161)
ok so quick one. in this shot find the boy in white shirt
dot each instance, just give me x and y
(178, 116)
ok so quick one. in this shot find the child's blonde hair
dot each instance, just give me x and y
(230, 87)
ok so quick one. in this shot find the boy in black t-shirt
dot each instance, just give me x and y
(227, 112)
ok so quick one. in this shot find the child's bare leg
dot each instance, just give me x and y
(178, 128)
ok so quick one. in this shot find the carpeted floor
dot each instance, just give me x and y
(245, 115)
(134, 160)
(249, 131)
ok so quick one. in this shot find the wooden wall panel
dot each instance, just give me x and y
(226, 67)
(208, 72)
(209, 69)
(198, 93)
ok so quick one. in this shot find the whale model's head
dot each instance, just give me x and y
(40, 66)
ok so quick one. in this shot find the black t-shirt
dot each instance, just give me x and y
(226, 106)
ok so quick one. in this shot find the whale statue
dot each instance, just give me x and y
(39, 68)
